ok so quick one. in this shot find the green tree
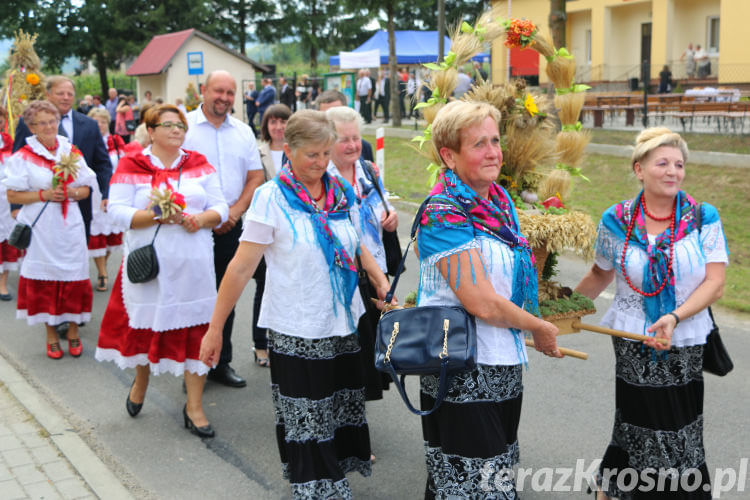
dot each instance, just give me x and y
(235, 20)
(319, 25)
(108, 32)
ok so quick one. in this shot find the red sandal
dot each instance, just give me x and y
(54, 351)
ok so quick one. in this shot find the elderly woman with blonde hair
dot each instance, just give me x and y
(46, 176)
(303, 223)
(472, 254)
(668, 254)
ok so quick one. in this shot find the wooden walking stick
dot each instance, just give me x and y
(578, 326)
(567, 352)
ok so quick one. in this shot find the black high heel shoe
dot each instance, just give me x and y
(133, 408)
(204, 432)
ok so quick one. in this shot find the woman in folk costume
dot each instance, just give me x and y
(304, 222)
(346, 163)
(472, 254)
(105, 235)
(668, 255)
(8, 255)
(47, 176)
(157, 326)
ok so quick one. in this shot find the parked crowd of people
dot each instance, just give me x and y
(302, 213)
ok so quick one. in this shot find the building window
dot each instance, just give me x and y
(712, 34)
(588, 46)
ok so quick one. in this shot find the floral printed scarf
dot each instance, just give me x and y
(338, 201)
(456, 206)
(617, 219)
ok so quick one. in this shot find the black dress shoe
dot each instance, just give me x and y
(204, 432)
(224, 374)
(133, 408)
(6, 297)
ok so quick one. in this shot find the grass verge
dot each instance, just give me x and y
(611, 181)
(722, 143)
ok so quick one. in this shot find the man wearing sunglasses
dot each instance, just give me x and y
(229, 145)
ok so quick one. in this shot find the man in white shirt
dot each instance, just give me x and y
(229, 145)
(364, 92)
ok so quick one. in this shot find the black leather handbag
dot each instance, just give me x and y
(20, 237)
(391, 243)
(143, 264)
(716, 359)
(429, 340)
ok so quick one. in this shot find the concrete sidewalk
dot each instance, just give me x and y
(41, 455)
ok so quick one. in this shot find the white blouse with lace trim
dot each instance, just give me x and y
(691, 255)
(58, 247)
(495, 346)
(298, 299)
(184, 292)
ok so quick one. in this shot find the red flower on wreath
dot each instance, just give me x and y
(519, 33)
(178, 199)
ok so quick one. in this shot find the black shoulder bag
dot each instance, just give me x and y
(20, 237)
(427, 340)
(143, 264)
(390, 238)
(716, 359)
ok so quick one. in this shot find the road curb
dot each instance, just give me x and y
(94, 472)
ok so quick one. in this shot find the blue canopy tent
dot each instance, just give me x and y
(412, 47)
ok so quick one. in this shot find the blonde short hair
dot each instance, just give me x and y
(343, 114)
(454, 118)
(97, 113)
(656, 137)
(308, 127)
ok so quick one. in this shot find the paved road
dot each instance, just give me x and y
(567, 415)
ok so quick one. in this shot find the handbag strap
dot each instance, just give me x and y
(370, 172)
(442, 388)
(412, 238)
(40, 213)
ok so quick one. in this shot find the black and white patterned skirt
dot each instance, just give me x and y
(657, 441)
(471, 440)
(319, 398)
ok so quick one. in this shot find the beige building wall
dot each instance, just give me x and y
(734, 42)
(172, 84)
(616, 35)
(155, 83)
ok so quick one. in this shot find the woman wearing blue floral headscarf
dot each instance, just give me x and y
(304, 222)
(669, 255)
(472, 253)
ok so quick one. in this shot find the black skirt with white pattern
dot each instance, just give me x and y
(319, 399)
(656, 449)
(471, 441)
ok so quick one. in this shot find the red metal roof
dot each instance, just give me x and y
(156, 55)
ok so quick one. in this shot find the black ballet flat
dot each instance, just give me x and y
(133, 408)
(203, 432)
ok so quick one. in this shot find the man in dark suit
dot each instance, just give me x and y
(85, 134)
(286, 94)
(266, 97)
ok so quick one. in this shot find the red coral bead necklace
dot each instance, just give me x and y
(671, 248)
